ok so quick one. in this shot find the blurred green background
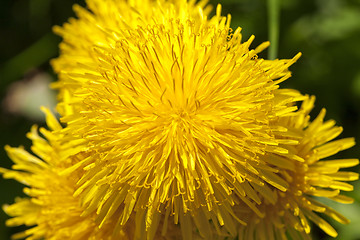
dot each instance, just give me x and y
(327, 32)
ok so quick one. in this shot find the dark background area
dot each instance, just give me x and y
(327, 32)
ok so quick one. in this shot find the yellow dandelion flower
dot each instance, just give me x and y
(51, 210)
(173, 113)
(313, 177)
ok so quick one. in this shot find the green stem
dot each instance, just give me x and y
(274, 25)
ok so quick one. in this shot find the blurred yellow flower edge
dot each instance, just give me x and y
(174, 129)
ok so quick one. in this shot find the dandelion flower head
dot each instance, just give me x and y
(315, 177)
(51, 211)
(175, 112)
